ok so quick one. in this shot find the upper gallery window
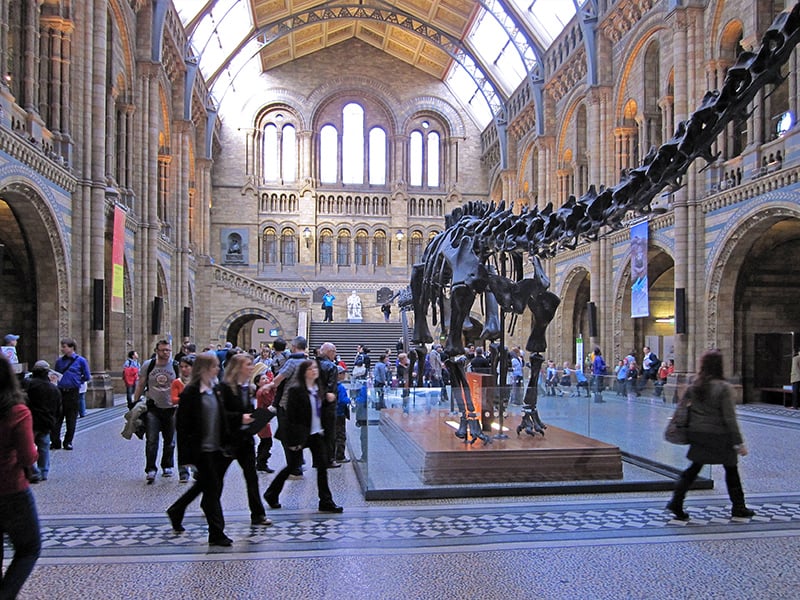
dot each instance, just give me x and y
(279, 148)
(424, 155)
(349, 151)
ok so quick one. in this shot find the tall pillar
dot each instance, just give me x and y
(680, 198)
(30, 34)
(204, 204)
(594, 115)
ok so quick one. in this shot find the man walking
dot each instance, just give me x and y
(74, 371)
(157, 375)
(328, 387)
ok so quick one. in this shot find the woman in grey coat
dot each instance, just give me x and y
(714, 436)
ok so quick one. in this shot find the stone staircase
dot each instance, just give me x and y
(376, 336)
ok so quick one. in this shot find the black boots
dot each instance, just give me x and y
(675, 506)
(736, 494)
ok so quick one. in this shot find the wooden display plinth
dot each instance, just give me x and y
(429, 446)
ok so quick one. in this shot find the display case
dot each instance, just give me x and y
(417, 447)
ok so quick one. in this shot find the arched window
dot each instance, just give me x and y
(271, 158)
(433, 159)
(278, 162)
(343, 249)
(361, 247)
(353, 143)
(379, 249)
(415, 159)
(289, 154)
(424, 154)
(288, 248)
(326, 247)
(415, 248)
(353, 148)
(377, 156)
(269, 247)
(328, 154)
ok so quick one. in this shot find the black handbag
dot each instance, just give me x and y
(677, 431)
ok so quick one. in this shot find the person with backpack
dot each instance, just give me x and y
(130, 375)
(156, 383)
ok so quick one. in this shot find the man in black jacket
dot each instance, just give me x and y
(44, 402)
(328, 381)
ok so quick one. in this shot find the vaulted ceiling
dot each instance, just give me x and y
(485, 48)
(449, 16)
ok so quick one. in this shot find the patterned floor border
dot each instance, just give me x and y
(473, 528)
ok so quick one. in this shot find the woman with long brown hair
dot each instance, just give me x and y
(18, 517)
(714, 436)
(237, 393)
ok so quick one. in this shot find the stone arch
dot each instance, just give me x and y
(231, 326)
(358, 87)
(574, 294)
(622, 87)
(434, 106)
(623, 343)
(727, 258)
(32, 204)
(275, 98)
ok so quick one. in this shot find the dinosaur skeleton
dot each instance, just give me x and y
(481, 250)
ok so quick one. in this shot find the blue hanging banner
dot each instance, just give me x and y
(640, 300)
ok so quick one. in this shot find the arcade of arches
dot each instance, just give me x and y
(135, 205)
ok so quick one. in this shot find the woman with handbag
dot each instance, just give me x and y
(714, 436)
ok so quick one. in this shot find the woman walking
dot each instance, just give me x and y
(714, 436)
(203, 432)
(304, 430)
(237, 391)
(19, 520)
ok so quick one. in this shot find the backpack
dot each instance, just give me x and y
(129, 375)
(277, 362)
(655, 364)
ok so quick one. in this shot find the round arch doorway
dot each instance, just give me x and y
(252, 329)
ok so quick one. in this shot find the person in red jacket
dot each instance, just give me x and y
(19, 520)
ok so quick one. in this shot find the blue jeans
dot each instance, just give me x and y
(159, 421)
(129, 389)
(20, 522)
(42, 466)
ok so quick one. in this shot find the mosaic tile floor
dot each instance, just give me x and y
(105, 534)
(105, 538)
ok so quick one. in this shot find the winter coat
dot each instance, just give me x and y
(713, 430)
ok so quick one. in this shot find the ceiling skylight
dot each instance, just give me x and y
(498, 52)
(500, 49)
(547, 18)
(466, 90)
(215, 38)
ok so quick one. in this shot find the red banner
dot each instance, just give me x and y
(117, 259)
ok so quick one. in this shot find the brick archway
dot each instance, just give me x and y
(725, 264)
(32, 207)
